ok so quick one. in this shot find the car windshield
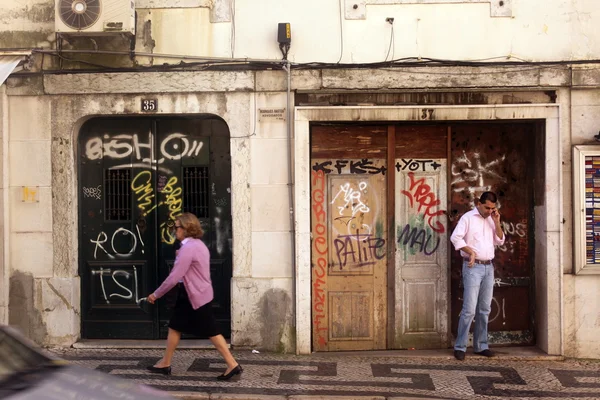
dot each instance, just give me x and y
(17, 354)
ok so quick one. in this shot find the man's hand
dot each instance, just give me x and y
(472, 260)
(496, 217)
(151, 298)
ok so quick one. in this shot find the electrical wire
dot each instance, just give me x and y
(400, 65)
(391, 41)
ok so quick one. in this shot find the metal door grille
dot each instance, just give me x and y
(195, 191)
(117, 200)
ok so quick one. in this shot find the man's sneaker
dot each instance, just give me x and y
(485, 353)
(459, 355)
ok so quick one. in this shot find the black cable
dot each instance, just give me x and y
(390, 46)
(395, 65)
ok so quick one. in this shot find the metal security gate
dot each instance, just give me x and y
(135, 176)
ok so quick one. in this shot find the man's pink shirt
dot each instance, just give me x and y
(478, 233)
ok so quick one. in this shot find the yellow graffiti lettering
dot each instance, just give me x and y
(166, 235)
(175, 205)
(143, 190)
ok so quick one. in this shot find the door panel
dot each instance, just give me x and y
(117, 252)
(349, 256)
(136, 176)
(500, 158)
(421, 288)
(357, 261)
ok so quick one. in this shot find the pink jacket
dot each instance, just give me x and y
(193, 265)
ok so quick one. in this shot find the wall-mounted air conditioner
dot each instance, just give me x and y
(95, 17)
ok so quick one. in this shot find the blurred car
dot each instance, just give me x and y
(26, 372)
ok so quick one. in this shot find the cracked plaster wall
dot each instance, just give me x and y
(26, 23)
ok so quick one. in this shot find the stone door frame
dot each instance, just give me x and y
(548, 227)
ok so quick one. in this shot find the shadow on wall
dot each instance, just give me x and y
(275, 306)
(22, 313)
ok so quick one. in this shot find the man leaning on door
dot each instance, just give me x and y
(475, 236)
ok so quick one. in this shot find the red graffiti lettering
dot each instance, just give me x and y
(426, 199)
(319, 250)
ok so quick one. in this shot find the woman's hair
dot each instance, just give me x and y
(191, 225)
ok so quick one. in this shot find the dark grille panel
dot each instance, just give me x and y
(195, 191)
(117, 201)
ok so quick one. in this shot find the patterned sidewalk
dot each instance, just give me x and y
(353, 376)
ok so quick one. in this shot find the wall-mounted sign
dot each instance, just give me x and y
(271, 114)
(30, 194)
(149, 105)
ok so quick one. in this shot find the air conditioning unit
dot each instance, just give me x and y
(95, 17)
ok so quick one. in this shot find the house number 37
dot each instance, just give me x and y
(149, 105)
(427, 113)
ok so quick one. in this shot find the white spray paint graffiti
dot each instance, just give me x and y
(222, 231)
(128, 293)
(93, 192)
(174, 147)
(352, 197)
(103, 238)
(470, 175)
(495, 307)
(512, 229)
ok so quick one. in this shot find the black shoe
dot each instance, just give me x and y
(161, 370)
(236, 371)
(485, 353)
(459, 355)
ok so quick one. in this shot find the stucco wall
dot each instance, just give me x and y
(581, 292)
(467, 30)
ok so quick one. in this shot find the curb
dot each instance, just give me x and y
(226, 396)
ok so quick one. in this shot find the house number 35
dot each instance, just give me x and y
(149, 105)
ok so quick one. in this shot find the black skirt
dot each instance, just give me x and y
(185, 319)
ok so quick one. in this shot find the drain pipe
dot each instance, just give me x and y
(288, 68)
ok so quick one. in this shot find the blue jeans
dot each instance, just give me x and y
(478, 283)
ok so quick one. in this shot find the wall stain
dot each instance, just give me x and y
(21, 308)
(274, 305)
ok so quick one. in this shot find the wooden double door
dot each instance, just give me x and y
(381, 265)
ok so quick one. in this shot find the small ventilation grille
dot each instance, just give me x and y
(117, 201)
(195, 191)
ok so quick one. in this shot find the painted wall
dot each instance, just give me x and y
(329, 32)
(581, 292)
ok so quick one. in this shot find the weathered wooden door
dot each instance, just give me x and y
(421, 254)
(136, 175)
(500, 158)
(349, 254)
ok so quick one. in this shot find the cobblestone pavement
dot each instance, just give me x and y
(353, 376)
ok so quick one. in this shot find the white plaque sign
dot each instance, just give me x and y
(271, 114)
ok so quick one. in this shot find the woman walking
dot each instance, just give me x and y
(193, 309)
